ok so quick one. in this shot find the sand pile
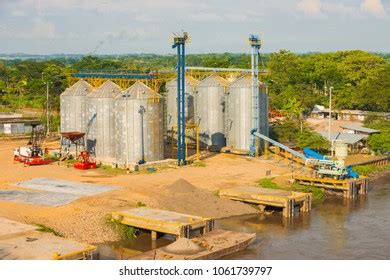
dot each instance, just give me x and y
(181, 186)
(183, 246)
(184, 197)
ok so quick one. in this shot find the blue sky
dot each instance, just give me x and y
(145, 26)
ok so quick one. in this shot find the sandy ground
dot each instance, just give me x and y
(84, 219)
(323, 124)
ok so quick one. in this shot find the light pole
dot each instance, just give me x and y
(330, 119)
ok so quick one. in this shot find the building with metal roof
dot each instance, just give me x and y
(358, 129)
(347, 138)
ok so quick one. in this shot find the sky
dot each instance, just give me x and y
(146, 26)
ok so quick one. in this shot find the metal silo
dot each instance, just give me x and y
(239, 113)
(100, 121)
(73, 107)
(210, 106)
(139, 125)
(172, 101)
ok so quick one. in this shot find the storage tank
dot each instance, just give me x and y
(210, 106)
(341, 149)
(73, 107)
(101, 122)
(239, 113)
(172, 101)
(139, 125)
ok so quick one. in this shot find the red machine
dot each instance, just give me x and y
(85, 161)
(32, 154)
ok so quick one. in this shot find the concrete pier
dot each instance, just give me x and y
(288, 201)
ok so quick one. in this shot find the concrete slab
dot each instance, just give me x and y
(65, 187)
(38, 198)
(164, 221)
(9, 228)
(42, 246)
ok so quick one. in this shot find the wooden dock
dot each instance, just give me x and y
(349, 188)
(177, 224)
(23, 242)
(288, 201)
(211, 246)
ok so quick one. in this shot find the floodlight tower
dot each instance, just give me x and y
(255, 43)
(179, 41)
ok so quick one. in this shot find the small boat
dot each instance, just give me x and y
(209, 246)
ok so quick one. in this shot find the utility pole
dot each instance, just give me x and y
(47, 109)
(330, 119)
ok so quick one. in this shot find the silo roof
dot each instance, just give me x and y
(139, 91)
(79, 88)
(244, 81)
(108, 89)
(189, 80)
(213, 80)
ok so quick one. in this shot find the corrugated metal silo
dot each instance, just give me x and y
(73, 107)
(172, 101)
(210, 106)
(101, 122)
(139, 125)
(239, 113)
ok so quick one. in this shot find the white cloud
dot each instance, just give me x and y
(205, 17)
(310, 7)
(374, 7)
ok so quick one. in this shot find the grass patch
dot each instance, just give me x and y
(198, 163)
(318, 194)
(110, 169)
(369, 169)
(126, 232)
(43, 228)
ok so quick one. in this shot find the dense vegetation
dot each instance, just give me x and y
(296, 82)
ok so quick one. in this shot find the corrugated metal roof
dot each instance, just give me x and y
(189, 81)
(139, 91)
(108, 89)
(213, 80)
(244, 81)
(359, 128)
(347, 138)
(79, 88)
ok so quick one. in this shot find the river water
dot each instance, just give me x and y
(337, 228)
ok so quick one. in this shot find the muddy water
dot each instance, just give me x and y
(335, 229)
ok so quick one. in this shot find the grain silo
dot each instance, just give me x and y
(210, 106)
(138, 125)
(73, 107)
(172, 101)
(239, 113)
(101, 122)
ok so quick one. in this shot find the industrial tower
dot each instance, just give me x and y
(255, 43)
(179, 42)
